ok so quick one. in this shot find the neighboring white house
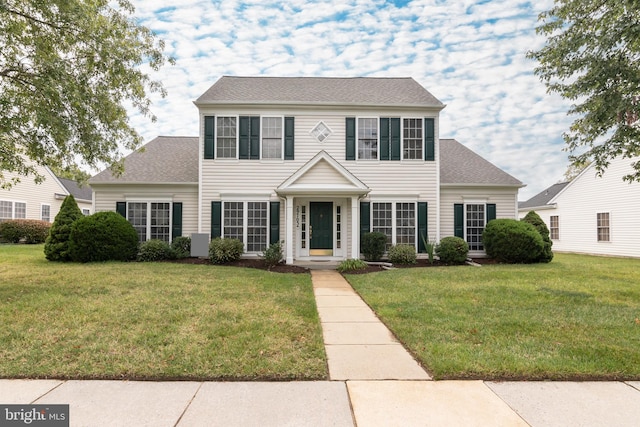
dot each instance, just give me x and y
(314, 163)
(592, 214)
(29, 200)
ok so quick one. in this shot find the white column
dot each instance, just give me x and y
(288, 238)
(355, 228)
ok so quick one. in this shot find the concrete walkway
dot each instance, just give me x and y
(374, 382)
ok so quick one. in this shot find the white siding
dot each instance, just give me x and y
(106, 197)
(588, 195)
(34, 195)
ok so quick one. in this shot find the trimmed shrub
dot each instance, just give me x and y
(351, 265)
(273, 255)
(512, 241)
(534, 219)
(222, 251)
(402, 254)
(452, 250)
(373, 245)
(154, 250)
(181, 246)
(103, 236)
(56, 247)
(30, 231)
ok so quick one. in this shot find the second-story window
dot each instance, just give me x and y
(271, 137)
(367, 138)
(412, 138)
(226, 138)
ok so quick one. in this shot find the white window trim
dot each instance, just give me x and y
(272, 159)
(43, 205)
(394, 216)
(237, 157)
(377, 118)
(13, 208)
(421, 157)
(609, 227)
(245, 220)
(483, 202)
(148, 202)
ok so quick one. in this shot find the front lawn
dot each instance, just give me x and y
(575, 318)
(154, 321)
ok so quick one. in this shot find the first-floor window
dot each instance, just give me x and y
(398, 224)
(476, 221)
(86, 212)
(554, 227)
(45, 213)
(12, 210)
(603, 227)
(247, 222)
(151, 220)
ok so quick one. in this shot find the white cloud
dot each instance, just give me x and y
(470, 54)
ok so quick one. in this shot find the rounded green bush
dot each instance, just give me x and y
(512, 241)
(222, 251)
(373, 245)
(56, 247)
(402, 254)
(30, 231)
(181, 246)
(155, 250)
(452, 250)
(534, 219)
(103, 236)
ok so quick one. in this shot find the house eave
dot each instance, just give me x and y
(322, 191)
(311, 105)
(476, 185)
(92, 184)
(538, 208)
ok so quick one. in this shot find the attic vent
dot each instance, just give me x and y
(321, 132)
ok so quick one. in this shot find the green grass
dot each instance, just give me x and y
(154, 321)
(575, 318)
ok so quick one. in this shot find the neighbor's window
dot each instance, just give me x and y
(86, 212)
(226, 137)
(20, 210)
(603, 227)
(412, 138)
(45, 213)
(6, 210)
(475, 226)
(367, 138)
(554, 227)
(271, 137)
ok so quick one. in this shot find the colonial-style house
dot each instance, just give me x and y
(30, 200)
(592, 214)
(314, 163)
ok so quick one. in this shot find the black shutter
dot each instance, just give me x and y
(491, 211)
(254, 138)
(365, 220)
(384, 139)
(176, 222)
(422, 227)
(121, 208)
(274, 222)
(351, 138)
(243, 137)
(429, 140)
(216, 219)
(458, 220)
(209, 137)
(289, 143)
(395, 139)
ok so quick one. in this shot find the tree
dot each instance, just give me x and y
(68, 68)
(56, 246)
(534, 219)
(574, 169)
(592, 58)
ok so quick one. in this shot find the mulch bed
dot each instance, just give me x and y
(286, 268)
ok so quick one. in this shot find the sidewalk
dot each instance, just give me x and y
(374, 381)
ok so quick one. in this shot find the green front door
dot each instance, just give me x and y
(321, 228)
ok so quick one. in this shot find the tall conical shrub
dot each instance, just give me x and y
(56, 247)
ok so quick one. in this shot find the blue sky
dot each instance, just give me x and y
(469, 54)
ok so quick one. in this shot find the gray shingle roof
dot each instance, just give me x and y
(544, 197)
(460, 165)
(319, 90)
(78, 192)
(165, 159)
